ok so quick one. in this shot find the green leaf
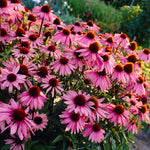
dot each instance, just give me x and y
(58, 138)
(115, 133)
(107, 146)
(50, 147)
(5, 147)
(125, 147)
(113, 143)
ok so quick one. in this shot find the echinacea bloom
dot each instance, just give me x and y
(144, 55)
(94, 131)
(16, 5)
(132, 46)
(40, 121)
(17, 117)
(52, 84)
(132, 126)
(78, 102)
(11, 78)
(109, 41)
(63, 65)
(74, 120)
(20, 33)
(33, 98)
(16, 143)
(118, 114)
(76, 27)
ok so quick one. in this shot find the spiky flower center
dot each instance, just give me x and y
(143, 108)
(96, 127)
(129, 95)
(123, 36)
(33, 37)
(132, 58)
(106, 57)
(95, 103)
(129, 67)
(91, 35)
(90, 23)
(3, 32)
(80, 100)
(109, 39)
(23, 70)
(119, 109)
(133, 102)
(66, 31)
(48, 34)
(52, 48)
(25, 44)
(42, 71)
(53, 82)
(24, 50)
(77, 54)
(77, 24)
(75, 116)
(108, 49)
(20, 32)
(73, 32)
(57, 21)
(34, 91)
(15, 1)
(146, 51)
(87, 81)
(144, 99)
(64, 60)
(38, 120)
(11, 77)
(102, 73)
(94, 47)
(46, 8)
(133, 45)
(119, 68)
(19, 114)
(140, 80)
(31, 17)
(3, 3)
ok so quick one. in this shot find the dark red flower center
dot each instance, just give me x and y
(25, 44)
(144, 99)
(15, 1)
(140, 80)
(80, 100)
(20, 32)
(66, 31)
(77, 54)
(31, 17)
(146, 51)
(42, 71)
(11, 77)
(102, 73)
(133, 45)
(119, 68)
(79, 33)
(53, 82)
(108, 49)
(91, 35)
(110, 40)
(129, 67)
(87, 81)
(64, 60)
(3, 32)
(75, 116)
(132, 58)
(133, 102)
(34, 91)
(90, 23)
(19, 114)
(24, 50)
(46, 8)
(106, 57)
(57, 21)
(73, 32)
(3, 3)
(38, 120)
(119, 109)
(48, 34)
(123, 36)
(52, 48)
(77, 23)
(23, 70)
(129, 95)
(139, 63)
(33, 37)
(100, 35)
(143, 108)
(94, 47)
(95, 103)
(96, 127)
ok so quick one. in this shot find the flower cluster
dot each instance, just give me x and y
(97, 76)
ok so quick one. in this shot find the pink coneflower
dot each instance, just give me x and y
(16, 5)
(76, 27)
(16, 143)
(52, 50)
(64, 36)
(40, 121)
(99, 79)
(44, 12)
(20, 33)
(11, 78)
(18, 122)
(144, 55)
(132, 126)
(118, 114)
(95, 131)
(52, 84)
(78, 102)
(63, 65)
(131, 48)
(74, 120)
(109, 41)
(33, 98)
(23, 52)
